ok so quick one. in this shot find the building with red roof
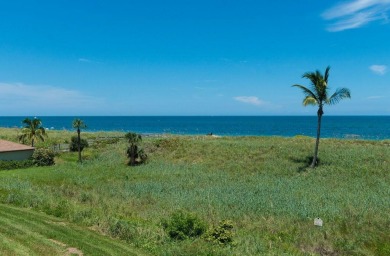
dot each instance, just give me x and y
(14, 151)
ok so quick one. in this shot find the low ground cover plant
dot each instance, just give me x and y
(183, 225)
(222, 234)
(12, 164)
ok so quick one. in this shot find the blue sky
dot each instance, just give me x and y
(187, 57)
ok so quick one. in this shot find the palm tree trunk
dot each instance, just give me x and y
(133, 153)
(319, 115)
(78, 144)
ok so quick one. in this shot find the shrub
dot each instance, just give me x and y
(11, 165)
(135, 154)
(222, 234)
(73, 146)
(183, 225)
(43, 157)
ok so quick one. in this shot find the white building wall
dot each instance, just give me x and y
(16, 155)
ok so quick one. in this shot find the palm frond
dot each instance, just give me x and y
(27, 122)
(318, 83)
(41, 137)
(308, 100)
(22, 138)
(312, 76)
(79, 124)
(341, 93)
(326, 75)
(306, 91)
(32, 130)
(133, 137)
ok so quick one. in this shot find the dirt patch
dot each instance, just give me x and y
(70, 250)
(325, 251)
(74, 251)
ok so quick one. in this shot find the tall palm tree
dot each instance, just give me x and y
(317, 94)
(32, 130)
(79, 124)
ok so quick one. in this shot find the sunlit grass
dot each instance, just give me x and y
(262, 184)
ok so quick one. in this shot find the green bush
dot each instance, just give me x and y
(43, 157)
(183, 225)
(135, 154)
(73, 146)
(12, 164)
(222, 234)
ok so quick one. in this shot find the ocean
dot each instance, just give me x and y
(350, 127)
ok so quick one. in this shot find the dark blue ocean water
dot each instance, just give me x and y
(361, 127)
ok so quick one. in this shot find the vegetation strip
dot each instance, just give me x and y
(33, 233)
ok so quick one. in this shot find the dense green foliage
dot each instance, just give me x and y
(74, 144)
(183, 225)
(221, 234)
(135, 154)
(261, 184)
(32, 131)
(13, 164)
(43, 157)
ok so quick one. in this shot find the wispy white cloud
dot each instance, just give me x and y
(356, 13)
(250, 100)
(43, 99)
(378, 69)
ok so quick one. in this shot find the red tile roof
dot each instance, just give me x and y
(7, 146)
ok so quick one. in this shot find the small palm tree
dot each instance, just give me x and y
(133, 152)
(317, 94)
(32, 130)
(79, 124)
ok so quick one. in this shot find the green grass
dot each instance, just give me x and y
(25, 232)
(260, 183)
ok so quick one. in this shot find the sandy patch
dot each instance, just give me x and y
(74, 251)
(70, 250)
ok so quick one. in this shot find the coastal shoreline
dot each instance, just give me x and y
(12, 133)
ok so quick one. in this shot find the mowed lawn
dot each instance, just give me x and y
(25, 232)
(261, 184)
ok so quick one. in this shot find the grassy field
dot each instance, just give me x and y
(261, 184)
(25, 232)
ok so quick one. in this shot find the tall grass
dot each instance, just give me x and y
(260, 183)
